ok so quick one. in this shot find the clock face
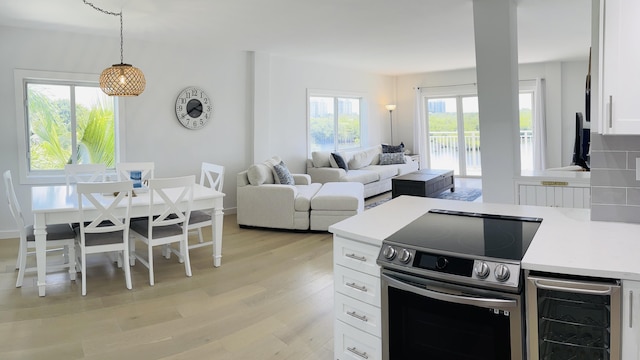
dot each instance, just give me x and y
(193, 108)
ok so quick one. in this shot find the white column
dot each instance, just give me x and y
(495, 27)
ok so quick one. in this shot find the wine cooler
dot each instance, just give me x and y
(573, 317)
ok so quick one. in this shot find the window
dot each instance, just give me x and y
(64, 119)
(334, 122)
(453, 123)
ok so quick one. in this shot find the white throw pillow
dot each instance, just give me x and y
(321, 158)
(360, 160)
(259, 174)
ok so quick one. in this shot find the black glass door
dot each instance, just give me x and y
(425, 328)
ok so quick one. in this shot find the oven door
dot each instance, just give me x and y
(427, 319)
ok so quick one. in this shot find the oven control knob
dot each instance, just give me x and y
(502, 273)
(389, 253)
(441, 263)
(405, 257)
(481, 269)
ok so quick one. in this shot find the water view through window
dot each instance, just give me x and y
(454, 124)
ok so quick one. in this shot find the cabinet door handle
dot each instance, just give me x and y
(357, 287)
(356, 257)
(610, 111)
(630, 309)
(361, 354)
(359, 317)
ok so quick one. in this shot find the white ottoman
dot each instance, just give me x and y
(334, 202)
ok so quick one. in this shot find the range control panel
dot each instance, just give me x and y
(481, 271)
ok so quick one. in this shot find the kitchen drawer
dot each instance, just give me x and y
(357, 285)
(358, 314)
(353, 344)
(356, 255)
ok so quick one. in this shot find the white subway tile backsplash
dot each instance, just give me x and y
(615, 188)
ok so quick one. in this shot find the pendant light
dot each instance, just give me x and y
(120, 79)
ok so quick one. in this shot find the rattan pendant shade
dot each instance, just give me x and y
(122, 80)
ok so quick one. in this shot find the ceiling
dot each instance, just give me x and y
(391, 37)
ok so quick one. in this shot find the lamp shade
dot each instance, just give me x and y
(122, 80)
(390, 107)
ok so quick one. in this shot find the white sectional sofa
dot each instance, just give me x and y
(265, 200)
(363, 166)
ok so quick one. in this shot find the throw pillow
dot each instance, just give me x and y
(391, 158)
(339, 161)
(359, 160)
(283, 176)
(321, 158)
(259, 174)
(392, 148)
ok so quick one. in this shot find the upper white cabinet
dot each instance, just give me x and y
(620, 73)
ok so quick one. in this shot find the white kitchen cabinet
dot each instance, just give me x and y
(630, 320)
(619, 70)
(356, 300)
(570, 189)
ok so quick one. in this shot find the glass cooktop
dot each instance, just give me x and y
(470, 234)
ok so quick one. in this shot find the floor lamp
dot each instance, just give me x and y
(391, 107)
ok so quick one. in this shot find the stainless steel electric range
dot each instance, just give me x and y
(452, 287)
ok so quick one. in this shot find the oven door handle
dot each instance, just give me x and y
(489, 303)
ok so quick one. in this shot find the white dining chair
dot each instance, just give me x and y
(60, 238)
(211, 175)
(104, 225)
(170, 201)
(75, 173)
(146, 170)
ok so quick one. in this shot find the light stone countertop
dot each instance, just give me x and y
(567, 242)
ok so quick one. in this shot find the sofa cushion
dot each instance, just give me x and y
(363, 176)
(282, 174)
(392, 158)
(338, 160)
(360, 159)
(263, 173)
(383, 171)
(321, 158)
(392, 148)
(259, 174)
(374, 153)
(302, 201)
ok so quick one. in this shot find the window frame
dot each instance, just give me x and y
(338, 95)
(21, 77)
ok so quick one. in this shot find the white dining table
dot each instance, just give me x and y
(58, 204)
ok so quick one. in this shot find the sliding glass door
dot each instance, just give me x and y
(454, 134)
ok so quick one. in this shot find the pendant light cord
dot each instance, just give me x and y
(114, 14)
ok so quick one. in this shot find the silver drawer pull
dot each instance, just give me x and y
(361, 354)
(359, 317)
(357, 287)
(356, 257)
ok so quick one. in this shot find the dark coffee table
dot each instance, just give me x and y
(425, 183)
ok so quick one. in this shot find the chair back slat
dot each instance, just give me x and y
(146, 170)
(169, 194)
(12, 200)
(75, 173)
(212, 174)
(106, 200)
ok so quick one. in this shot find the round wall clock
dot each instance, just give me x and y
(193, 108)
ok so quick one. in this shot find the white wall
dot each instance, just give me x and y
(290, 80)
(152, 130)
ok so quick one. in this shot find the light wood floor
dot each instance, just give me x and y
(272, 298)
